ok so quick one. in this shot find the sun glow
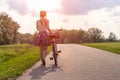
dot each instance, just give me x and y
(48, 5)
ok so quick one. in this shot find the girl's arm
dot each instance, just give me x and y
(37, 25)
(48, 27)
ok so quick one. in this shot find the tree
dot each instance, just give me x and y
(8, 30)
(112, 37)
(82, 35)
(95, 35)
(26, 38)
(64, 36)
(73, 36)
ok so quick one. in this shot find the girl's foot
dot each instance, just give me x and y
(43, 62)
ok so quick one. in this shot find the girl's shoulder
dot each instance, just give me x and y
(37, 21)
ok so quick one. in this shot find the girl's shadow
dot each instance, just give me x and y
(37, 73)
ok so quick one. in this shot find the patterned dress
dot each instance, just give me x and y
(42, 38)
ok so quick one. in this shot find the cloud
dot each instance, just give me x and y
(18, 5)
(72, 7)
(69, 7)
(65, 20)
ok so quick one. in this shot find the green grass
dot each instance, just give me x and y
(108, 46)
(15, 59)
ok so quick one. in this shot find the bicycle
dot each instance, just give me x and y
(53, 38)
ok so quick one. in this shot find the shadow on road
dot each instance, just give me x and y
(42, 71)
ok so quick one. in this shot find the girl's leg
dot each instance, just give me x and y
(45, 52)
(41, 52)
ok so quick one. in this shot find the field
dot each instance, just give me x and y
(109, 46)
(15, 59)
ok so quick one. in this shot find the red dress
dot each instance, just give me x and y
(43, 36)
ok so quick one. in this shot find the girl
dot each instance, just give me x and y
(42, 26)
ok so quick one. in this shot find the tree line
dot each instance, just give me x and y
(9, 34)
(82, 36)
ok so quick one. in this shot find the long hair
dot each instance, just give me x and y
(42, 13)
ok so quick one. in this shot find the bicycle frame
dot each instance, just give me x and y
(53, 38)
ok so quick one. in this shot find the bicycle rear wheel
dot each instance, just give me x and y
(55, 54)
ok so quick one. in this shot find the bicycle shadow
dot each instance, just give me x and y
(41, 71)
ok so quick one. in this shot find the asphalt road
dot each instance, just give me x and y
(77, 62)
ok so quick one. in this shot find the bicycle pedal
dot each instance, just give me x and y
(59, 51)
(51, 58)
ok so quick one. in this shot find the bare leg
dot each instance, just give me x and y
(41, 52)
(45, 52)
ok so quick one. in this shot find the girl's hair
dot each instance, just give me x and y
(42, 13)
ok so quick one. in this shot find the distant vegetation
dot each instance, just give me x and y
(8, 30)
(74, 36)
(109, 46)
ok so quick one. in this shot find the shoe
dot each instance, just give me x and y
(43, 62)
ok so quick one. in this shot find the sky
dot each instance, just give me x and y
(66, 14)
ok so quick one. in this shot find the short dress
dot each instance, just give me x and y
(42, 39)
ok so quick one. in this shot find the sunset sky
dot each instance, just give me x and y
(66, 14)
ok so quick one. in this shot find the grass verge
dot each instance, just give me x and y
(108, 46)
(15, 59)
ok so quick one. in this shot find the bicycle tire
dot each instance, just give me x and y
(55, 54)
